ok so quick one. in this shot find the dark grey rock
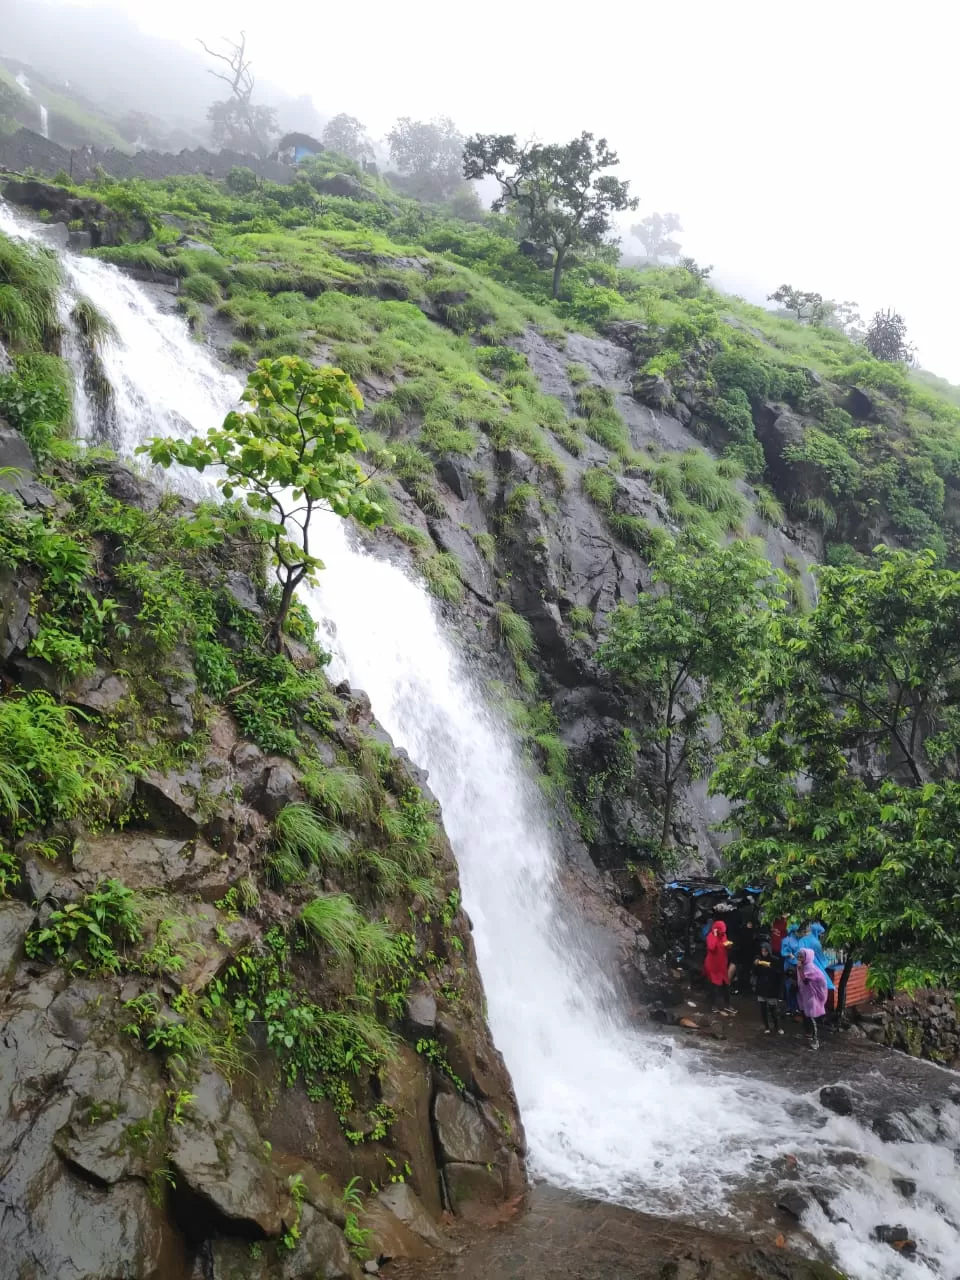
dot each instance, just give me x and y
(170, 800)
(888, 1129)
(16, 920)
(422, 1010)
(322, 1251)
(105, 225)
(121, 483)
(219, 1155)
(462, 1134)
(280, 787)
(455, 475)
(861, 403)
(793, 1202)
(837, 1098)
(472, 1186)
(101, 691)
(242, 590)
(906, 1186)
(890, 1235)
(145, 861)
(404, 1203)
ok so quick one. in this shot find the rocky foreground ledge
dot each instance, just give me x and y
(196, 1081)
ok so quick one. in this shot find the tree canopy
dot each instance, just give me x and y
(348, 137)
(564, 199)
(844, 784)
(654, 233)
(428, 154)
(804, 305)
(290, 453)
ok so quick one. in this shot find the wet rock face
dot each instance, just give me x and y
(130, 1147)
(219, 1160)
(104, 225)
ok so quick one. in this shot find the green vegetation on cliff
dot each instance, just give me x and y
(478, 393)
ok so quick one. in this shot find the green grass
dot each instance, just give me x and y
(335, 923)
(339, 791)
(29, 287)
(299, 832)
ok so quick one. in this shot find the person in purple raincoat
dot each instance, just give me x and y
(811, 994)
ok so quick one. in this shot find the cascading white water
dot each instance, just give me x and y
(608, 1111)
(44, 122)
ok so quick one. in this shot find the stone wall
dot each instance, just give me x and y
(25, 150)
(927, 1026)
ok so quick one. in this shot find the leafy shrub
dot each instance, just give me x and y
(47, 769)
(92, 927)
(737, 370)
(36, 399)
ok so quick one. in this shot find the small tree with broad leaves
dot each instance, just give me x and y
(560, 191)
(685, 649)
(290, 452)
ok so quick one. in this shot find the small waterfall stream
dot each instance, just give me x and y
(609, 1111)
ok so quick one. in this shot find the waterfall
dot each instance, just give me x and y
(609, 1111)
(44, 125)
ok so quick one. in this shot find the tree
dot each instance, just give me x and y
(564, 199)
(843, 316)
(887, 338)
(654, 231)
(428, 154)
(347, 137)
(688, 648)
(235, 122)
(804, 305)
(291, 453)
(697, 273)
(845, 791)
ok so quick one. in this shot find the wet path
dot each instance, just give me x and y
(560, 1236)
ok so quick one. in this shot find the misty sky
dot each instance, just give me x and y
(800, 141)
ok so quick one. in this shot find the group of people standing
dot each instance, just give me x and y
(788, 966)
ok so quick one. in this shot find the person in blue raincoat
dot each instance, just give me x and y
(789, 950)
(811, 940)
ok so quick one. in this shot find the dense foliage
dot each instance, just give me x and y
(845, 783)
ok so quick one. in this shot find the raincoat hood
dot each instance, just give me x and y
(793, 927)
(807, 962)
(817, 930)
(720, 926)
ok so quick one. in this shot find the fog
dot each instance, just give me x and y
(803, 141)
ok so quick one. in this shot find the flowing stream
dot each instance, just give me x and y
(609, 1111)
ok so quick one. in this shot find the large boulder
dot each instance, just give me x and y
(321, 1251)
(407, 1089)
(219, 1161)
(462, 1133)
(474, 1192)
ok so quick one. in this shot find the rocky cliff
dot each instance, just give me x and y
(241, 1023)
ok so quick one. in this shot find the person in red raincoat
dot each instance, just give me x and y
(716, 966)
